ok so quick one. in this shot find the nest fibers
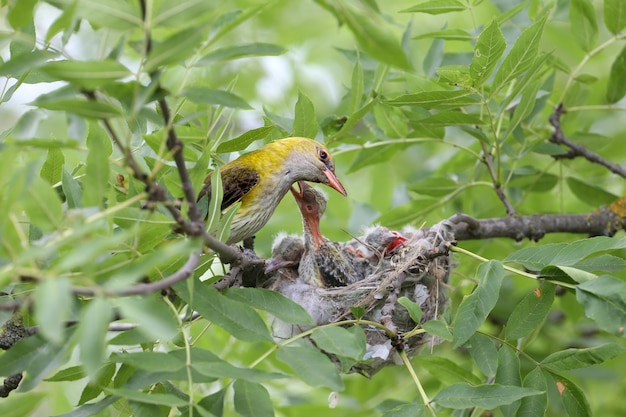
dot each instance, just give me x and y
(417, 270)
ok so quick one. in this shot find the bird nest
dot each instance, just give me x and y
(418, 270)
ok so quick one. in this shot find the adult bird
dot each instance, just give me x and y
(261, 178)
(323, 263)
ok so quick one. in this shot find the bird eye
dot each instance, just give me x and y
(323, 155)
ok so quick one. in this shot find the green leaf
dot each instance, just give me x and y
(413, 308)
(252, 399)
(63, 23)
(373, 34)
(406, 410)
(210, 96)
(43, 205)
(534, 405)
(531, 312)
(604, 301)
(461, 396)
(358, 86)
(53, 305)
(435, 99)
(391, 120)
(475, 307)
(20, 13)
(456, 75)
(569, 359)
(583, 23)
(181, 13)
(508, 374)
(114, 14)
(215, 204)
(374, 155)
(484, 353)
(451, 118)
(24, 62)
(273, 302)
(241, 51)
(573, 397)
(305, 122)
(80, 107)
(170, 400)
(52, 169)
(223, 232)
(236, 318)
(489, 48)
(97, 383)
(614, 15)
(525, 106)
(92, 330)
(312, 366)
(340, 341)
(152, 315)
(521, 56)
(436, 187)
(447, 371)
(73, 373)
(208, 364)
(438, 328)
(589, 193)
(22, 405)
(96, 180)
(243, 141)
(176, 48)
(86, 74)
(448, 35)
(616, 87)
(536, 258)
(164, 362)
(22, 353)
(436, 7)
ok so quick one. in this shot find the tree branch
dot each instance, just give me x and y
(487, 159)
(142, 289)
(605, 221)
(576, 150)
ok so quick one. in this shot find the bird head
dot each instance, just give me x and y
(309, 160)
(312, 205)
(286, 252)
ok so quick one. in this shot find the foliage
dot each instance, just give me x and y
(429, 107)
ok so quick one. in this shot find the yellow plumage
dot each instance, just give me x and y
(260, 179)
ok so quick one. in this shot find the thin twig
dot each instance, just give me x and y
(575, 150)
(181, 274)
(487, 159)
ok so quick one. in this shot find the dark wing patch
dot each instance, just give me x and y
(236, 183)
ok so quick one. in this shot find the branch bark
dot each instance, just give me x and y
(576, 150)
(605, 221)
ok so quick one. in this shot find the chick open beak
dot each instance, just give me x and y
(333, 182)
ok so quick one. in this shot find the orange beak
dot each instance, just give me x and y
(310, 212)
(333, 182)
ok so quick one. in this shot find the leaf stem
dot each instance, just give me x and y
(509, 268)
(418, 384)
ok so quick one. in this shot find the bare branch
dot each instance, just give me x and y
(576, 150)
(603, 222)
(487, 159)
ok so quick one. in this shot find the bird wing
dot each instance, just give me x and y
(335, 269)
(235, 182)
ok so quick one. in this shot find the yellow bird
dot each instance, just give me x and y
(261, 178)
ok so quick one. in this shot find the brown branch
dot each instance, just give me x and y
(576, 150)
(487, 159)
(181, 274)
(605, 221)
